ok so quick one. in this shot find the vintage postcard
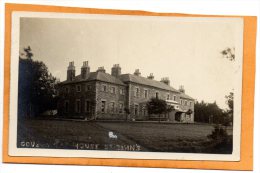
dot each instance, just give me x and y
(113, 86)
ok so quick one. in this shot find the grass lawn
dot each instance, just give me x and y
(141, 136)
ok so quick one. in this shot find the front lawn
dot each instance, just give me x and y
(137, 136)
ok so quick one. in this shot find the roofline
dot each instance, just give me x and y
(153, 87)
(73, 82)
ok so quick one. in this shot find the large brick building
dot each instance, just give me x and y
(99, 95)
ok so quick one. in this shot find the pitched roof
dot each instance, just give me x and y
(100, 76)
(146, 81)
(183, 95)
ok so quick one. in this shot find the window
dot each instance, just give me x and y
(66, 106)
(112, 107)
(168, 97)
(88, 87)
(113, 90)
(144, 111)
(136, 108)
(190, 103)
(174, 98)
(121, 91)
(87, 106)
(104, 88)
(77, 106)
(103, 106)
(67, 89)
(181, 101)
(78, 88)
(185, 103)
(120, 110)
(136, 92)
(145, 93)
(157, 95)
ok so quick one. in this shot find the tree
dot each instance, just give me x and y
(36, 86)
(157, 106)
(208, 112)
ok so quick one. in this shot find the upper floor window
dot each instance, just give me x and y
(174, 98)
(137, 92)
(168, 97)
(122, 91)
(181, 101)
(113, 90)
(78, 88)
(190, 103)
(88, 87)
(145, 93)
(67, 89)
(104, 88)
(185, 103)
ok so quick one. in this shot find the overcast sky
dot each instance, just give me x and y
(186, 51)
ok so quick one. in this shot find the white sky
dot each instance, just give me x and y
(186, 51)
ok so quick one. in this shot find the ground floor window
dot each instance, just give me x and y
(136, 108)
(77, 106)
(66, 106)
(87, 106)
(103, 106)
(120, 110)
(112, 107)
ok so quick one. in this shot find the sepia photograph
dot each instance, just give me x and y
(119, 86)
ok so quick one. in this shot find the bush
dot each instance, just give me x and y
(219, 133)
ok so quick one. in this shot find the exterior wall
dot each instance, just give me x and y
(69, 94)
(111, 111)
(93, 93)
(140, 100)
(186, 104)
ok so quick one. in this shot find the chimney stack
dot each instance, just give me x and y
(165, 80)
(71, 71)
(116, 70)
(151, 76)
(137, 72)
(101, 69)
(85, 70)
(181, 89)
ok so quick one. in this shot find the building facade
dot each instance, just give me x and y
(102, 96)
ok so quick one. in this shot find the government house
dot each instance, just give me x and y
(102, 96)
